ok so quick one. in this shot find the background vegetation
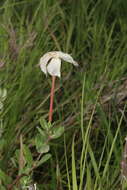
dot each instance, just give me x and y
(90, 101)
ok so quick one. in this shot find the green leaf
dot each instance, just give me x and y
(41, 131)
(44, 124)
(44, 159)
(41, 144)
(57, 132)
(2, 187)
(2, 143)
(44, 148)
(4, 178)
(28, 155)
(42, 136)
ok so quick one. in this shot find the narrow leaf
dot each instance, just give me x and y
(74, 178)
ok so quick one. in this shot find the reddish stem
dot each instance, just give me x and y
(52, 98)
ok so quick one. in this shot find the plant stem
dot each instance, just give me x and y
(52, 98)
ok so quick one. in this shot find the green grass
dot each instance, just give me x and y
(88, 155)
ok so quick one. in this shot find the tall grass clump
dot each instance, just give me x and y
(89, 102)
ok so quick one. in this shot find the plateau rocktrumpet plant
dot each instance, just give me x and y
(50, 63)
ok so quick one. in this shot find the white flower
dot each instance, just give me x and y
(51, 62)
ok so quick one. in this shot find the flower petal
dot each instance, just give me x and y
(66, 57)
(43, 62)
(54, 66)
